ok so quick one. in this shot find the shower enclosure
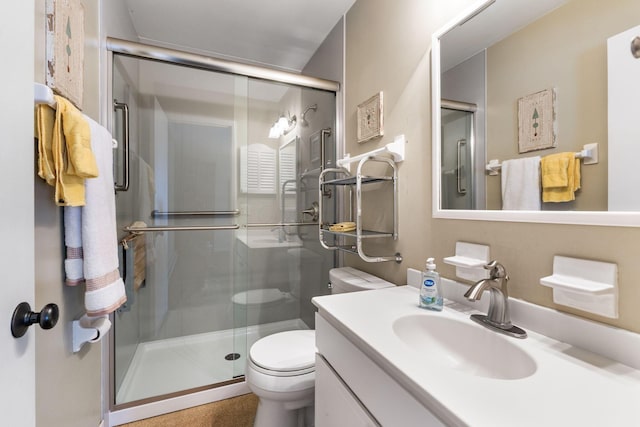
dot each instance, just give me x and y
(217, 215)
(458, 156)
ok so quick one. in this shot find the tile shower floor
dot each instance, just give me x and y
(176, 364)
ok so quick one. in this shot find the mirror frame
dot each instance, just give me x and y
(601, 218)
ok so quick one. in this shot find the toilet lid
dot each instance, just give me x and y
(258, 296)
(285, 351)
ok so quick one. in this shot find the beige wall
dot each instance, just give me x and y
(558, 51)
(68, 385)
(387, 48)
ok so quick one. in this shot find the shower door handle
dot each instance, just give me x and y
(324, 133)
(461, 190)
(125, 145)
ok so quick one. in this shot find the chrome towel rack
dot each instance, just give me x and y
(155, 229)
(156, 213)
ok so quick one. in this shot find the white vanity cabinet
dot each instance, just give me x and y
(352, 390)
(336, 405)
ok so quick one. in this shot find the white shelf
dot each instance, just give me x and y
(463, 261)
(469, 260)
(590, 286)
(576, 284)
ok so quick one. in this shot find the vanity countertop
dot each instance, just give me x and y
(570, 386)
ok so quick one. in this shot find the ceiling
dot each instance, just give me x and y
(281, 34)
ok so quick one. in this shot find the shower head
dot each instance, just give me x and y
(303, 120)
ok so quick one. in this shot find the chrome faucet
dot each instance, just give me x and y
(498, 317)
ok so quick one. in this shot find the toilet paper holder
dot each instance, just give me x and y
(89, 330)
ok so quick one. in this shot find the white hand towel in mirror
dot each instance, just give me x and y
(521, 184)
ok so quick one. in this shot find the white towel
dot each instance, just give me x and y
(521, 184)
(105, 289)
(96, 229)
(73, 263)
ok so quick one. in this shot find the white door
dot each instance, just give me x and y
(17, 356)
(623, 70)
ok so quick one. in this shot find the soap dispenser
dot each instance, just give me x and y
(430, 296)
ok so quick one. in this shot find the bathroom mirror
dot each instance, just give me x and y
(500, 52)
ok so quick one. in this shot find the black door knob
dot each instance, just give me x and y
(23, 317)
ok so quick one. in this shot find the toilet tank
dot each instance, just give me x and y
(349, 279)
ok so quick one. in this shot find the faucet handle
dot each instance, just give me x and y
(497, 270)
(491, 265)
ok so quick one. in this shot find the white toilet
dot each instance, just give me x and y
(281, 367)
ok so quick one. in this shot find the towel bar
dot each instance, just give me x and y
(156, 213)
(154, 229)
(281, 224)
(43, 94)
(589, 154)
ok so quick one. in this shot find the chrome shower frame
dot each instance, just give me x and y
(117, 414)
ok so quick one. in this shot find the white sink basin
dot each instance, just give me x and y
(463, 346)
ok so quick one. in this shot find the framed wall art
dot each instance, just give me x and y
(65, 48)
(370, 118)
(537, 121)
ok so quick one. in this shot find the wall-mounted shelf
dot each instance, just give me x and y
(395, 149)
(366, 234)
(587, 285)
(351, 241)
(469, 260)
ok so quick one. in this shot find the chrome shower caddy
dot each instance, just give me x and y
(355, 182)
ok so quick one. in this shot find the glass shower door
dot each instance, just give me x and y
(179, 330)
(222, 244)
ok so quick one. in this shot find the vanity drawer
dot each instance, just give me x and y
(335, 404)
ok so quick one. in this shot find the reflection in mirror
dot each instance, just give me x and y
(499, 56)
(458, 184)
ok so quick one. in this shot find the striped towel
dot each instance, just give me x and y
(94, 227)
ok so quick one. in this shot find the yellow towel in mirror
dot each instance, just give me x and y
(343, 226)
(554, 171)
(560, 177)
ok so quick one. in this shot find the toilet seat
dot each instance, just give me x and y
(284, 354)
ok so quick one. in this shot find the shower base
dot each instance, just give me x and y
(182, 363)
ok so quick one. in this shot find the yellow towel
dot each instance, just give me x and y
(64, 148)
(552, 190)
(77, 136)
(45, 116)
(343, 226)
(553, 169)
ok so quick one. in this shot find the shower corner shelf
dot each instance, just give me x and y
(351, 241)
